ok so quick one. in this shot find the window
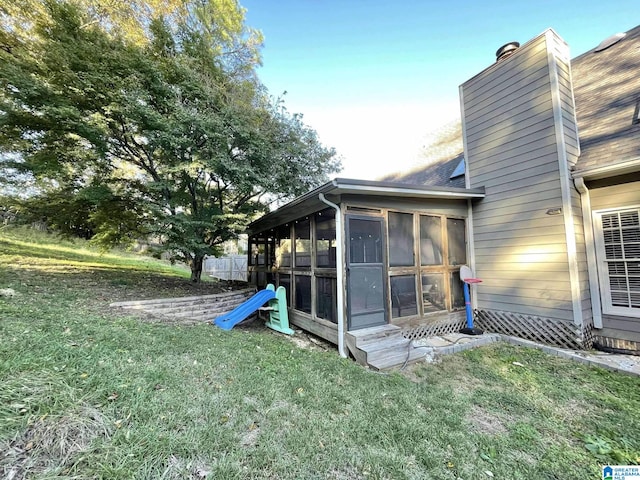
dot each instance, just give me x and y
(303, 293)
(257, 248)
(365, 244)
(433, 293)
(400, 239)
(403, 296)
(430, 240)
(283, 246)
(284, 280)
(457, 241)
(618, 253)
(302, 229)
(325, 239)
(326, 289)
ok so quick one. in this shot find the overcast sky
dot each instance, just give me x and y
(375, 77)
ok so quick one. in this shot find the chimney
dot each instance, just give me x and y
(506, 50)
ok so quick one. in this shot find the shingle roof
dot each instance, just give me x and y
(441, 157)
(606, 87)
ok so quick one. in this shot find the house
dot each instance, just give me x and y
(543, 202)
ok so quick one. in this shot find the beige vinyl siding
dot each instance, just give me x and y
(614, 197)
(512, 149)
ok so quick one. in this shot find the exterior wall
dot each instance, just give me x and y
(520, 139)
(618, 331)
(419, 325)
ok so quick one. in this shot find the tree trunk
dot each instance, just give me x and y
(196, 267)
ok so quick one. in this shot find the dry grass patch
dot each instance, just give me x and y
(53, 445)
(487, 423)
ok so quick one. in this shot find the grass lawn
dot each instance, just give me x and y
(88, 392)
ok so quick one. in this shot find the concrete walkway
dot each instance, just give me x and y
(456, 342)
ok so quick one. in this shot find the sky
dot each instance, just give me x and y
(376, 78)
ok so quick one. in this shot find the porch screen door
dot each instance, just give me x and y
(365, 273)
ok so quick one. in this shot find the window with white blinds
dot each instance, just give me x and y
(618, 251)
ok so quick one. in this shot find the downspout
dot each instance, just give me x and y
(592, 263)
(339, 273)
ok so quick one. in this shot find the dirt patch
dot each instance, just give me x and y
(308, 341)
(485, 422)
(250, 437)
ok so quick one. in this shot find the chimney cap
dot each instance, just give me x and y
(506, 50)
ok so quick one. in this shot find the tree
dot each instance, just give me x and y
(171, 136)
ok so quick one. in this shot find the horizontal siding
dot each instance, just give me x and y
(621, 324)
(532, 131)
(514, 96)
(544, 296)
(545, 234)
(518, 224)
(506, 162)
(615, 196)
(506, 181)
(504, 127)
(508, 72)
(557, 311)
(535, 279)
(553, 271)
(510, 202)
(526, 170)
(514, 247)
(526, 259)
(521, 252)
(619, 334)
(501, 120)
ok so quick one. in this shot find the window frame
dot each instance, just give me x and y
(603, 272)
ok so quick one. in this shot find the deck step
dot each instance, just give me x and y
(395, 358)
(384, 347)
(366, 335)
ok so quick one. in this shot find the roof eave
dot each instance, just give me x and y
(608, 171)
(347, 186)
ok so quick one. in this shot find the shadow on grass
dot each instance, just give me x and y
(11, 247)
(33, 268)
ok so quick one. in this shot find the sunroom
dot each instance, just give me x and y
(358, 257)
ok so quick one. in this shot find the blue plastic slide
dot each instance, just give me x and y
(242, 311)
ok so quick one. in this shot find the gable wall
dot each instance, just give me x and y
(517, 114)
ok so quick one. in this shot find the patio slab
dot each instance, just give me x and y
(456, 342)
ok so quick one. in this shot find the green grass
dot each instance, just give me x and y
(87, 392)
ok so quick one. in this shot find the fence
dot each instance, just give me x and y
(232, 267)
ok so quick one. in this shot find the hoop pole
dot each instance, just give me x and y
(467, 304)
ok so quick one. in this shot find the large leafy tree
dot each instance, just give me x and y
(151, 127)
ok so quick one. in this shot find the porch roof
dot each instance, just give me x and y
(334, 189)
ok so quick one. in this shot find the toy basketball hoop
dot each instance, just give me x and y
(467, 277)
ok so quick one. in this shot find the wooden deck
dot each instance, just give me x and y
(382, 348)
